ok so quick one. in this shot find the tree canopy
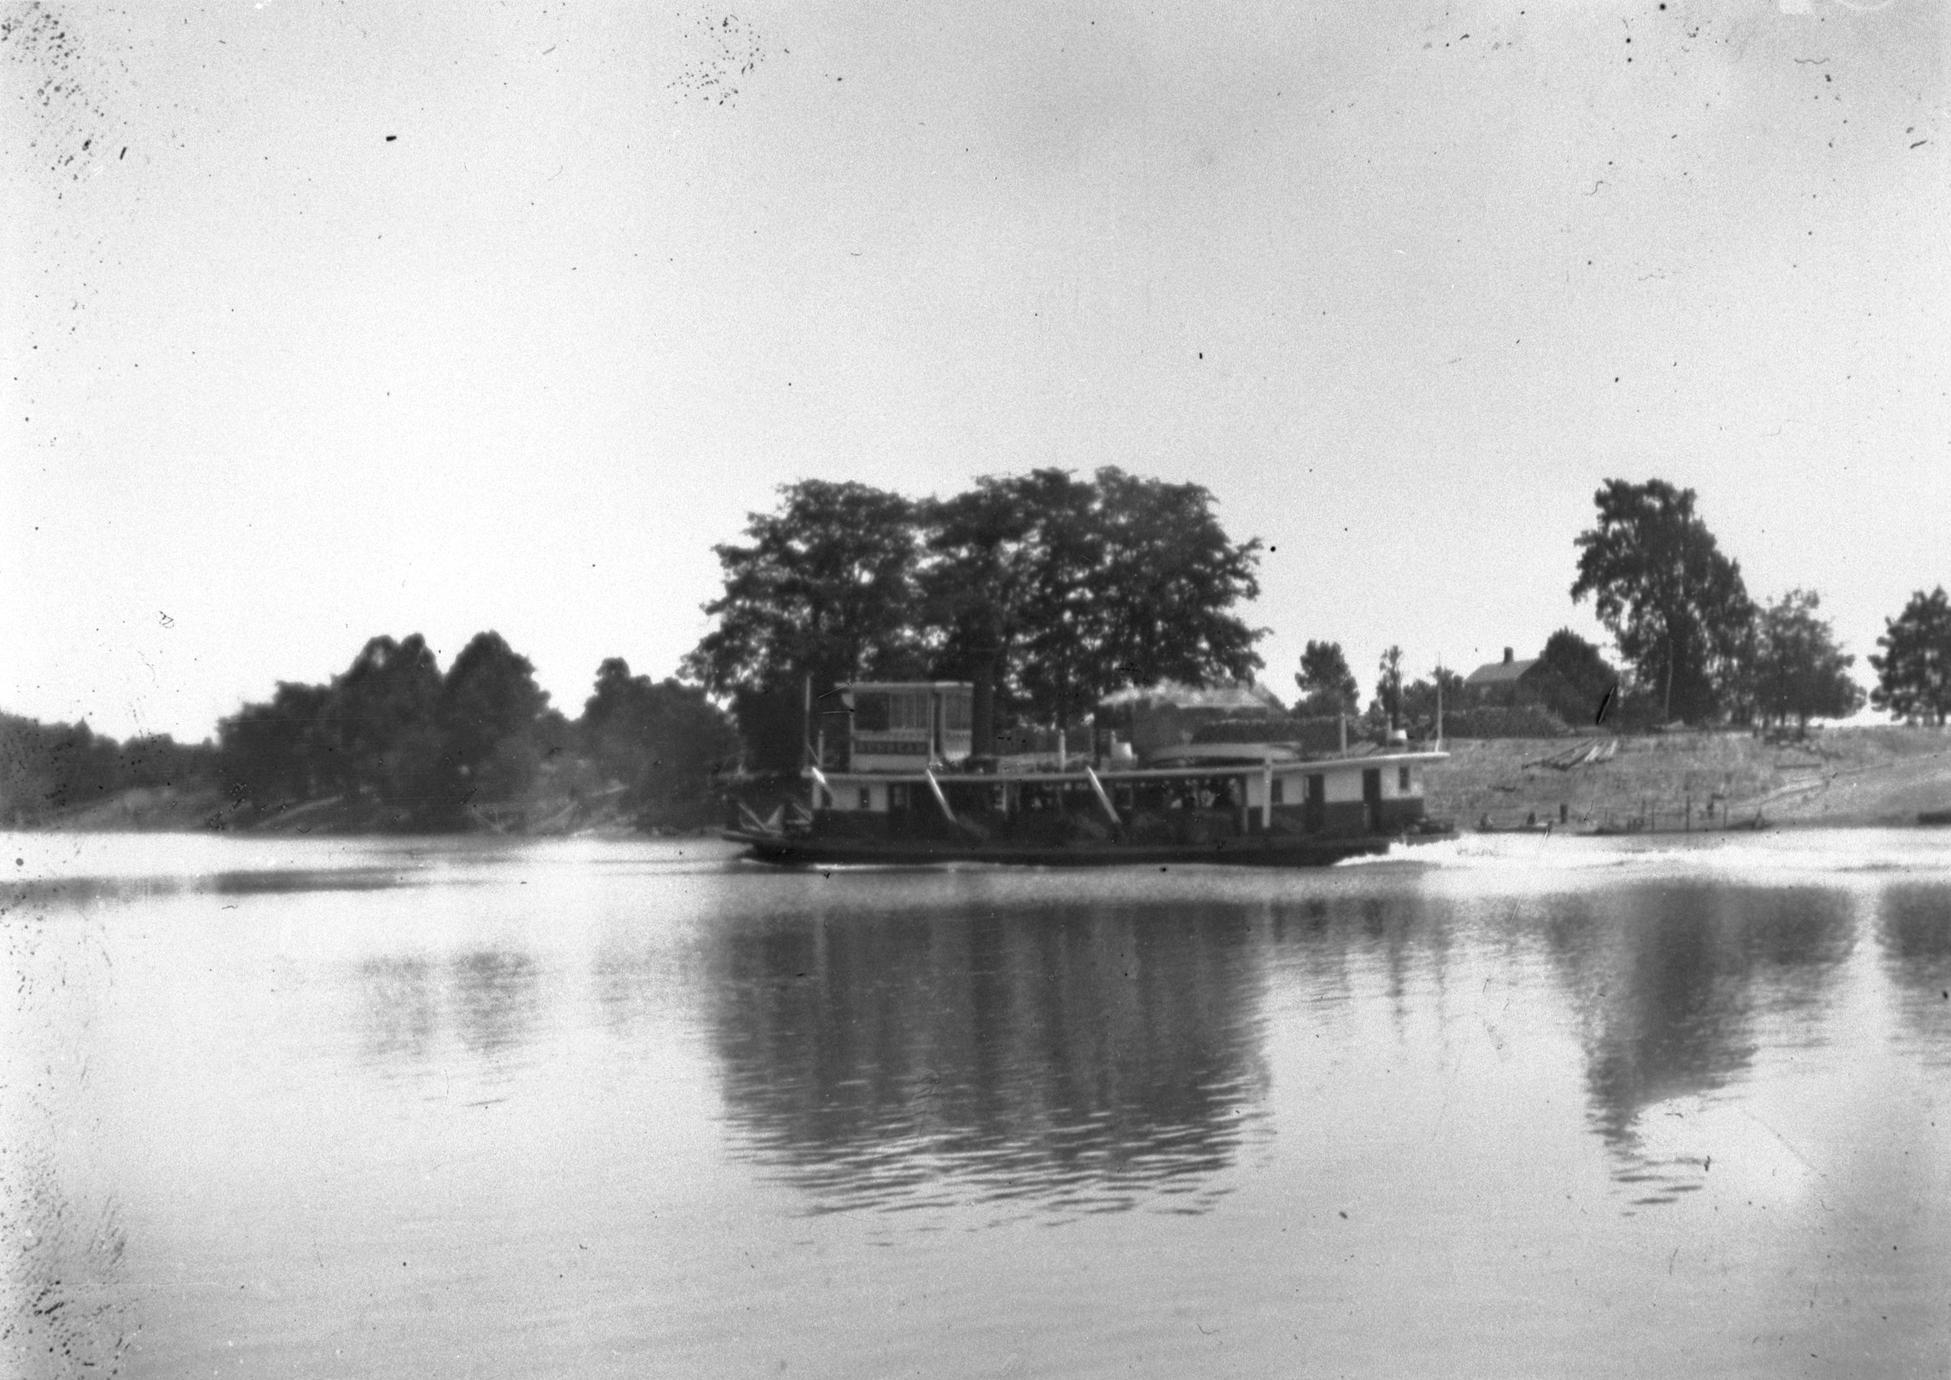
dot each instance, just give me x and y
(393, 729)
(1582, 682)
(1422, 697)
(1327, 685)
(1675, 606)
(824, 587)
(1049, 589)
(1914, 671)
(1388, 687)
(661, 740)
(1796, 670)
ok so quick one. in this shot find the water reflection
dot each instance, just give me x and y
(1088, 1059)
(399, 1012)
(1669, 984)
(493, 999)
(497, 994)
(1916, 942)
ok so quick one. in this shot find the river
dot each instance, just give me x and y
(1507, 1106)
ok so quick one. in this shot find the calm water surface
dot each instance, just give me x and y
(1519, 1106)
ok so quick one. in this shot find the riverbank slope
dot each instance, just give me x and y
(1836, 777)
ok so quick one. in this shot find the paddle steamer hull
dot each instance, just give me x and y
(1251, 851)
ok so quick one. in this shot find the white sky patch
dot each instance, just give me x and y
(338, 321)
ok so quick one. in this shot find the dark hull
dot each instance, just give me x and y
(1254, 851)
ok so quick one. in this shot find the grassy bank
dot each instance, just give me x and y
(1843, 776)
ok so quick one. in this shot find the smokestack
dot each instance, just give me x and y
(1507, 656)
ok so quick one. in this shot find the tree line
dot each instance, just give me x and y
(1047, 590)
(1700, 647)
(394, 729)
(47, 768)
(1695, 645)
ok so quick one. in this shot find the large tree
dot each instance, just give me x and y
(271, 753)
(1051, 590)
(1797, 671)
(1388, 688)
(1675, 606)
(661, 740)
(1327, 685)
(824, 587)
(379, 731)
(1914, 671)
(1163, 594)
(822, 591)
(1064, 590)
(1008, 562)
(1583, 685)
(489, 709)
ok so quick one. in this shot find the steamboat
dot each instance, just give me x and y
(899, 783)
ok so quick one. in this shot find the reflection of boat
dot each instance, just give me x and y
(907, 793)
(1934, 816)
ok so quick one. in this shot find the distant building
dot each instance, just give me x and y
(1513, 682)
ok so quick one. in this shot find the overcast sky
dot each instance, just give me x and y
(321, 321)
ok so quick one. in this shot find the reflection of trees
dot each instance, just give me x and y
(397, 1015)
(1031, 1051)
(496, 996)
(1668, 982)
(1916, 938)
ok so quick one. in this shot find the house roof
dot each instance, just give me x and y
(1500, 672)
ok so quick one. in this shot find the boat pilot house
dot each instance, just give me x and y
(897, 780)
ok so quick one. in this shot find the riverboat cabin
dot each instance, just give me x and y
(895, 766)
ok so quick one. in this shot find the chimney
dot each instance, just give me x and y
(1507, 656)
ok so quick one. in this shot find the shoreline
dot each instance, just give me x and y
(1844, 778)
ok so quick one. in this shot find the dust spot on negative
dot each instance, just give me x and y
(724, 49)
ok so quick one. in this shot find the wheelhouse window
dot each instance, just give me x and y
(870, 712)
(1402, 780)
(866, 798)
(908, 710)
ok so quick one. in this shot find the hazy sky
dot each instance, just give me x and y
(321, 320)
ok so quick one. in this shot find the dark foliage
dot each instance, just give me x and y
(1676, 607)
(662, 740)
(47, 769)
(1795, 669)
(393, 730)
(1581, 683)
(1914, 670)
(1048, 591)
(1327, 685)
